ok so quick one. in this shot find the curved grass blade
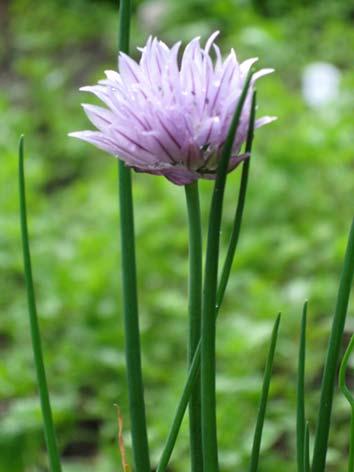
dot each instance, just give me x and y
(328, 382)
(264, 398)
(49, 431)
(236, 228)
(300, 395)
(130, 297)
(181, 409)
(350, 397)
(209, 428)
(195, 365)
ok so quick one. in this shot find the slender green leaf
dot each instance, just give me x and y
(181, 409)
(130, 297)
(264, 399)
(209, 429)
(342, 372)
(300, 400)
(49, 430)
(195, 365)
(331, 365)
(306, 461)
(236, 228)
(350, 397)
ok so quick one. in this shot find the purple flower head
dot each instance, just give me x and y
(170, 117)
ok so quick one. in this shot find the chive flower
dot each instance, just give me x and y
(170, 116)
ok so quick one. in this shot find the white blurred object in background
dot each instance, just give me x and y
(320, 84)
(152, 13)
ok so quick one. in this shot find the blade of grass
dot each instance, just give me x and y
(350, 397)
(195, 312)
(130, 298)
(49, 431)
(181, 409)
(236, 228)
(324, 417)
(209, 427)
(264, 399)
(307, 466)
(195, 365)
(300, 395)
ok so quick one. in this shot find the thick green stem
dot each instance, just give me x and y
(49, 431)
(195, 309)
(331, 365)
(130, 298)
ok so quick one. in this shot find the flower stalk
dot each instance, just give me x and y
(195, 309)
(130, 298)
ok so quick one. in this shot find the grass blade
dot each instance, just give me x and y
(49, 431)
(264, 398)
(350, 397)
(236, 228)
(195, 365)
(181, 409)
(328, 382)
(300, 396)
(307, 466)
(209, 429)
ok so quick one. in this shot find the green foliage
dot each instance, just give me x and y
(292, 243)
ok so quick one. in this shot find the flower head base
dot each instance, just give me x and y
(171, 118)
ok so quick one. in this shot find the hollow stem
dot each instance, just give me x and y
(195, 308)
(130, 297)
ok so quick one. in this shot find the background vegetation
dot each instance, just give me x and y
(299, 208)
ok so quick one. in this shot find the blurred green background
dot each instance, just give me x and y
(298, 212)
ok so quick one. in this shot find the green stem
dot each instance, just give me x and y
(130, 298)
(195, 308)
(49, 431)
(195, 366)
(323, 424)
(209, 429)
(264, 399)
(300, 400)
